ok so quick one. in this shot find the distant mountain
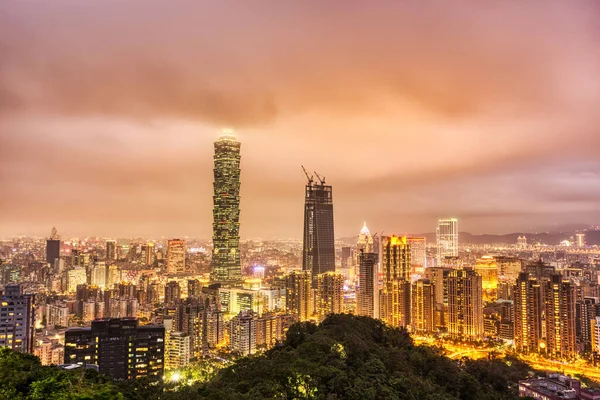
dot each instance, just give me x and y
(550, 238)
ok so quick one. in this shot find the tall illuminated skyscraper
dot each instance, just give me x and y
(396, 258)
(423, 306)
(176, 256)
(528, 310)
(298, 295)
(330, 294)
(447, 239)
(465, 304)
(226, 267)
(318, 254)
(418, 254)
(367, 291)
(365, 240)
(53, 247)
(395, 305)
(111, 251)
(560, 317)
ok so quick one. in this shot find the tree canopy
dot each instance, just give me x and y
(345, 357)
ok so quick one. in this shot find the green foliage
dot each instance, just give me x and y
(345, 357)
(23, 377)
(348, 357)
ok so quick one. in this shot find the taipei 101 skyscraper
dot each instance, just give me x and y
(225, 267)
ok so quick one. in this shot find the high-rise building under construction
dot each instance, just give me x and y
(318, 255)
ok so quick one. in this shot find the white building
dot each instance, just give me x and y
(178, 350)
(243, 333)
(57, 314)
(447, 239)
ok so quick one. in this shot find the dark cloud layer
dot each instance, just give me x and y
(412, 110)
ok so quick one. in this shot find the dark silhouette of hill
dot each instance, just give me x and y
(345, 357)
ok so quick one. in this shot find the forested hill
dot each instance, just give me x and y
(349, 357)
(346, 357)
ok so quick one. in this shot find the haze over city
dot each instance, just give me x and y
(483, 111)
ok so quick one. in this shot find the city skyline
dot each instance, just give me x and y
(118, 141)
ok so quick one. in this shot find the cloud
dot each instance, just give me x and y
(395, 102)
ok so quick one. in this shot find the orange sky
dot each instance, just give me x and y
(483, 110)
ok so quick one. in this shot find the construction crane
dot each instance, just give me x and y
(320, 178)
(308, 176)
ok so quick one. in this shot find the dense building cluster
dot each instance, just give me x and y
(134, 307)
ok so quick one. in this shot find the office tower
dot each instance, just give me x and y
(368, 290)
(396, 261)
(98, 274)
(365, 240)
(487, 267)
(83, 293)
(318, 255)
(76, 276)
(395, 295)
(395, 305)
(540, 270)
(113, 276)
(586, 311)
(298, 295)
(439, 277)
(346, 256)
(120, 348)
(330, 294)
(447, 239)
(234, 300)
(465, 304)
(243, 333)
(122, 252)
(176, 256)
(178, 350)
(149, 256)
(560, 317)
(172, 292)
(214, 326)
(580, 239)
(269, 330)
(509, 269)
(111, 251)
(423, 307)
(418, 254)
(16, 319)
(57, 315)
(226, 267)
(194, 288)
(53, 247)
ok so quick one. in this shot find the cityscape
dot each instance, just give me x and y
(77, 301)
(370, 265)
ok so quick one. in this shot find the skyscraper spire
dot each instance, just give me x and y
(225, 266)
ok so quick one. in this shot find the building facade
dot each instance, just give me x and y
(465, 304)
(318, 255)
(423, 307)
(447, 239)
(121, 349)
(298, 296)
(16, 319)
(330, 294)
(176, 250)
(368, 281)
(225, 266)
